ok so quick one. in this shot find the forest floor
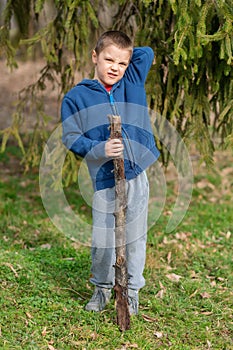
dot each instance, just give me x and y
(187, 303)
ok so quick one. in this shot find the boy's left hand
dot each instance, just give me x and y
(114, 148)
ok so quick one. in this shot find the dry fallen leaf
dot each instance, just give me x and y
(51, 347)
(149, 318)
(158, 334)
(173, 277)
(29, 315)
(206, 313)
(167, 213)
(12, 269)
(213, 283)
(193, 294)
(169, 257)
(133, 346)
(166, 241)
(129, 346)
(94, 335)
(205, 184)
(46, 246)
(14, 228)
(160, 293)
(227, 171)
(183, 236)
(205, 295)
(88, 286)
(193, 274)
(44, 332)
(221, 279)
(161, 285)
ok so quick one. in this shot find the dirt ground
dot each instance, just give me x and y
(12, 82)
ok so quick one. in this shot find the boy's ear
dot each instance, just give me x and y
(94, 57)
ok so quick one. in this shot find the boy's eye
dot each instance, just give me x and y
(122, 64)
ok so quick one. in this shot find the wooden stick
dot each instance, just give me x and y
(121, 272)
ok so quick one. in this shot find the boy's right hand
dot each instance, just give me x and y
(114, 148)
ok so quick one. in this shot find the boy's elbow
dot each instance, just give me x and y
(151, 54)
(145, 51)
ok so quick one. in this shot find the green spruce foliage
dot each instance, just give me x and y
(190, 83)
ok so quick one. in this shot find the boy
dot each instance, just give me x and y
(117, 88)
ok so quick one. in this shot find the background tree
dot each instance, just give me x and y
(190, 83)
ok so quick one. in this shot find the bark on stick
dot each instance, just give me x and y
(121, 273)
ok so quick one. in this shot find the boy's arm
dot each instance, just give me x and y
(140, 64)
(74, 138)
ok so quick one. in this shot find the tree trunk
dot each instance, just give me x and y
(121, 273)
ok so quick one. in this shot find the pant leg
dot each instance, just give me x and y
(136, 229)
(103, 238)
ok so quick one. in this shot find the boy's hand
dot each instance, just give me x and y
(114, 148)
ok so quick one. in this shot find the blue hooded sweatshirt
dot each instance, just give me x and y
(84, 112)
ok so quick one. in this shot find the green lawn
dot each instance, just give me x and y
(186, 304)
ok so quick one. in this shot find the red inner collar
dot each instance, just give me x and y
(108, 87)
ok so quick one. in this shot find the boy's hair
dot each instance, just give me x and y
(113, 37)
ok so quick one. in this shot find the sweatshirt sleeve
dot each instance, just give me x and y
(140, 64)
(73, 136)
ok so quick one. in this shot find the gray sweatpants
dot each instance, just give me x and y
(103, 237)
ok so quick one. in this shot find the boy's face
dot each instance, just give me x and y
(111, 64)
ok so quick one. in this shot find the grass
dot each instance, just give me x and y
(186, 304)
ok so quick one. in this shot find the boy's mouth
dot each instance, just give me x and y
(112, 76)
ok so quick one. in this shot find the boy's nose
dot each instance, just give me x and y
(114, 66)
